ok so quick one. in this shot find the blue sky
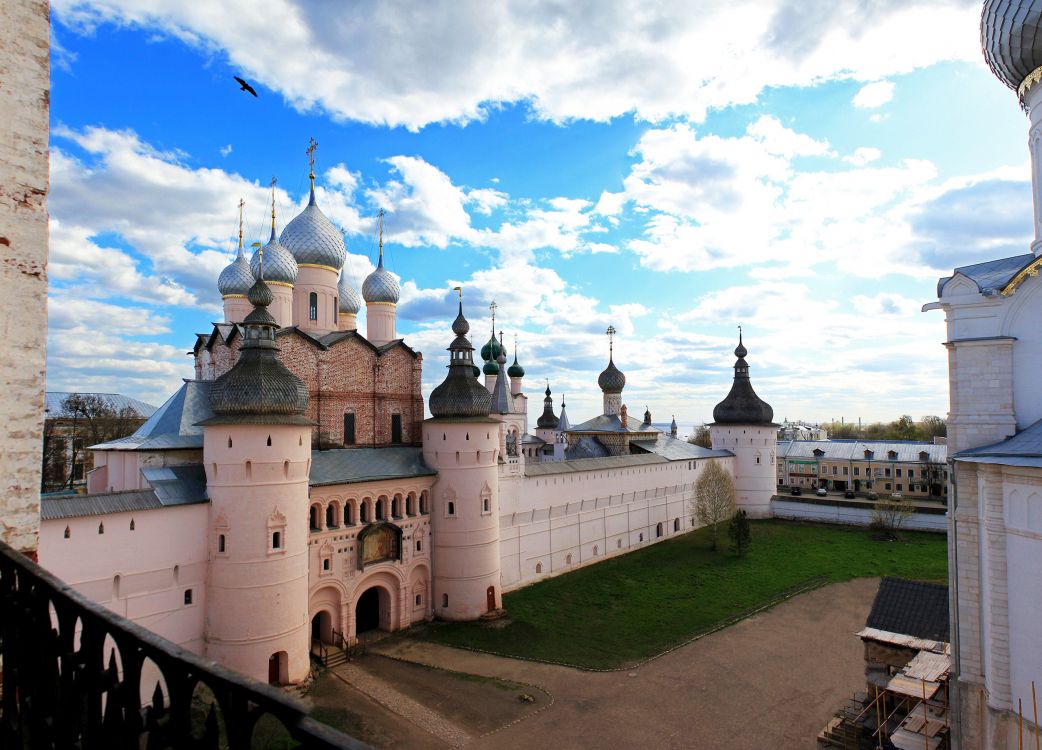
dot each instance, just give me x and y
(807, 172)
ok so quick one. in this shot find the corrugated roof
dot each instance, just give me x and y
(351, 465)
(53, 402)
(1026, 444)
(177, 485)
(846, 450)
(911, 608)
(544, 468)
(991, 276)
(173, 425)
(585, 446)
(100, 504)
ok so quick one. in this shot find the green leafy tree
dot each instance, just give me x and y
(739, 533)
(714, 498)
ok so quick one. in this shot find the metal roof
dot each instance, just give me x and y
(53, 401)
(173, 425)
(1025, 445)
(991, 276)
(613, 423)
(168, 487)
(544, 468)
(854, 450)
(675, 449)
(911, 608)
(585, 447)
(352, 465)
(1011, 35)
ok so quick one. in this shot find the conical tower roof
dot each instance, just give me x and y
(742, 405)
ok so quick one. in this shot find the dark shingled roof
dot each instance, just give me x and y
(1011, 35)
(911, 608)
(460, 395)
(742, 405)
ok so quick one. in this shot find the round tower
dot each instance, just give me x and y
(235, 281)
(612, 380)
(279, 272)
(381, 293)
(318, 247)
(743, 424)
(257, 456)
(461, 442)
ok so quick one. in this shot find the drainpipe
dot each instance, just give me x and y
(953, 602)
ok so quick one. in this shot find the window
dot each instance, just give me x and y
(845, 470)
(485, 505)
(349, 429)
(101, 528)
(444, 600)
(313, 518)
(221, 544)
(188, 597)
(313, 306)
(568, 560)
(132, 524)
(898, 472)
(77, 472)
(276, 540)
(640, 538)
(538, 568)
(658, 530)
(326, 564)
(899, 487)
(835, 470)
(419, 546)
(331, 517)
(676, 524)
(68, 532)
(419, 600)
(886, 486)
(451, 508)
(396, 428)
(887, 472)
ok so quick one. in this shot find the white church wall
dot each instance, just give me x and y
(143, 573)
(1023, 311)
(852, 516)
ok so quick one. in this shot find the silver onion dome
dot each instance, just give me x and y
(279, 264)
(612, 379)
(236, 278)
(348, 299)
(1011, 35)
(381, 286)
(313, 239)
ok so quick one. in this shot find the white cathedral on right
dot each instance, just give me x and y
(994, 339)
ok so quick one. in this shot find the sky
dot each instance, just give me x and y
(806, 169)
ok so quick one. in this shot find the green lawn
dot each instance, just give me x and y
(639, 604)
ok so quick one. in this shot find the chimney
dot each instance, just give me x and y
(624, 416)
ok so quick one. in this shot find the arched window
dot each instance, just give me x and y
(221, 544)
(349, 514)
(188, 597)
(380, 509)
(452, 508)
(313, 306)
(396, 507)
(313, 519)
(444, 600)
(325, 564)
(276, 540)
(618, 544)
(331, 516)
(68, 532)
(568, 560)
(101, 528)
(676, 524)
(658, 530)
(363, 511)
(410, 505)
(538, 568)
(132, 524)
(419, 545)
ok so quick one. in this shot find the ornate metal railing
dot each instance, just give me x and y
(75, 674)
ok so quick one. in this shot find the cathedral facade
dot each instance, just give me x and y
(292, 495)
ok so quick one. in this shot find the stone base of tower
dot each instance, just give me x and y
(283, 660)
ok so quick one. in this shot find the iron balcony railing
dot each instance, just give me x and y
(72, 676)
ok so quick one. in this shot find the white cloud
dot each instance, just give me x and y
(225, 150)
(863, 155)
(873, 95)
(399, 63)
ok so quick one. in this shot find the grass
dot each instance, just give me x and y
(637, 605)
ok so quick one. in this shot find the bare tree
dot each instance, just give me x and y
(85, 419)
(713, 501)
(889, 515)
(701, 436)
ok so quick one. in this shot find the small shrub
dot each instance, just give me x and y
(739, 533)
(889, 515)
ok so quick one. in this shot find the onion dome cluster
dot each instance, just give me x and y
(279, 264)
(460, 394)
(381, 286)
(742, 405)
(236, 278)
(312, 238)
(347, 298)
(1011, 34)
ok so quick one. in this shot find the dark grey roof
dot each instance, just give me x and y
(992, 276)
(1026, 444)
(613, 423)
(173, 425)
(169, 486)
(351, 465)
(527, 439)
(585, 447)
(676, 449)
(911, 608)
(501, 392)
(542, 468)
(1012, 38)
(742, 405)
(548, 420)
(460, 394)
(53, 401)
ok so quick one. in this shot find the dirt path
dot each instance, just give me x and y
(771, 681)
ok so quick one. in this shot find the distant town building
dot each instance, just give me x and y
(918, 470)
(802, 431)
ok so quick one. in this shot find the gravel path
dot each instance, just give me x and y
(402, 705)
(772, 680)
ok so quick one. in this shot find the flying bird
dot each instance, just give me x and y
(243, 86)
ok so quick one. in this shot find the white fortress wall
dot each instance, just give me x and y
(851, 515)
(141, 574)
(551, 524)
